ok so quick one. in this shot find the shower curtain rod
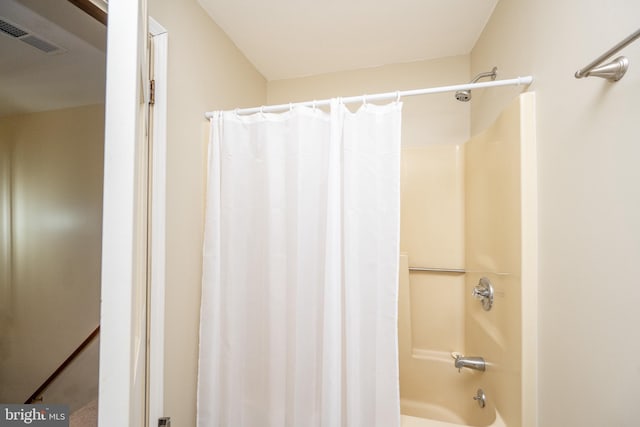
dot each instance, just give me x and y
(382, 96)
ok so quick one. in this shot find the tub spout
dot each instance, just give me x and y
(476, 363)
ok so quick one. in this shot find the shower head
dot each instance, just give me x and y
(465, 95)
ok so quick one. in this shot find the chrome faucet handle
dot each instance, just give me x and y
(481, 398)
(480, 293)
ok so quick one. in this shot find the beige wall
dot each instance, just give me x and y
(589, 200)
(434, 119)
(206, 72)
(52, 302)
(5, 230)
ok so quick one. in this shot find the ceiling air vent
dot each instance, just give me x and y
(11, 29)
(14, 31)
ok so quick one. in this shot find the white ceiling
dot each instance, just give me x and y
(31, 80)
(294, 38)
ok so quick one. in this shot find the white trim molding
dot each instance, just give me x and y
(158, 140)
(122, 336)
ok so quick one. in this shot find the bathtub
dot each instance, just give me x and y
(437, 395)
(409, 421)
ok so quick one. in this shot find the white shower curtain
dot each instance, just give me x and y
(298, 323)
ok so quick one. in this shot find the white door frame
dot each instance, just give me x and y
(123, 287)
(159, 40)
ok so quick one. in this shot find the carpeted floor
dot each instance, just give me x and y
(87, 416)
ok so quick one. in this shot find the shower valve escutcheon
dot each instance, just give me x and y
(484, 292)
(476, 363)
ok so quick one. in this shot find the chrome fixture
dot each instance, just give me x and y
(484, 292)
(437, 270)
(481, 398)
(614, 70)
(476, 363)
(465, 95)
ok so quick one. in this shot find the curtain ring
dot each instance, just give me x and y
(364, 99)
(290, 106)
(237, 111)
(262, 110)
(313, 104)
(398, 96)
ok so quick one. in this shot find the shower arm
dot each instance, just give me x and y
(493, 73)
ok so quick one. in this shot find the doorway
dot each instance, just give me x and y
(52, 96)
